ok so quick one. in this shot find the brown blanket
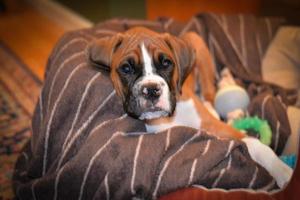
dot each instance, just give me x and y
(85, 147)
(239, 42)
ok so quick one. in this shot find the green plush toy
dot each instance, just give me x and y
(258, 125)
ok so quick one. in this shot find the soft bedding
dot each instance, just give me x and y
(240, 42)
(85, 147)
(281, 66)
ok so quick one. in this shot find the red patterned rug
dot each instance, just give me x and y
(19, 90)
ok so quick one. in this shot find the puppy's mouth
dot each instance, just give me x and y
(153, 109)
(142, 109)
(154, 114)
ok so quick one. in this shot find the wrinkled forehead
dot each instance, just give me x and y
(131, 47)
(133, 37)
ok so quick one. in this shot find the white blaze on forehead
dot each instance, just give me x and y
(149, 76)
(148, 69)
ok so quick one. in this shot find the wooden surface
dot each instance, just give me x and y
(183, 10)
(30, 35)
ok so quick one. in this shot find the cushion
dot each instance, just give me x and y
(281, 64)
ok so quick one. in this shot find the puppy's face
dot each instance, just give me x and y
(146, 68)
(143, 73)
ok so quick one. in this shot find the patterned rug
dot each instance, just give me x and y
(19, 90)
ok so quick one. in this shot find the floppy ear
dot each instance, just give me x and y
(184, 55)
(100, 51)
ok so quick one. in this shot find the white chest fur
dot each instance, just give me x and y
(185, 115)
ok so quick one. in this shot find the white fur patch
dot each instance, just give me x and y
(150, 77)
(153, 115)
(148, 67)
(185, 115)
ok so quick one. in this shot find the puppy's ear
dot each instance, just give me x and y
(184, 55)
(100, 51)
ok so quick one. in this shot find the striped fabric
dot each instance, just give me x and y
(85, 147)
(239, 42)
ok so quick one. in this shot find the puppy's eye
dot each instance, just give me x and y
(127, 68)
(164, 61)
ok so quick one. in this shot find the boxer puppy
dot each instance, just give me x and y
(154, 74)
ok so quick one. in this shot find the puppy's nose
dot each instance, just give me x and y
(151, 91)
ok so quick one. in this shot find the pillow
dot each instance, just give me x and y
(281, 64)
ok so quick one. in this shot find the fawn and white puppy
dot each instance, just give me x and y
(154, 75)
